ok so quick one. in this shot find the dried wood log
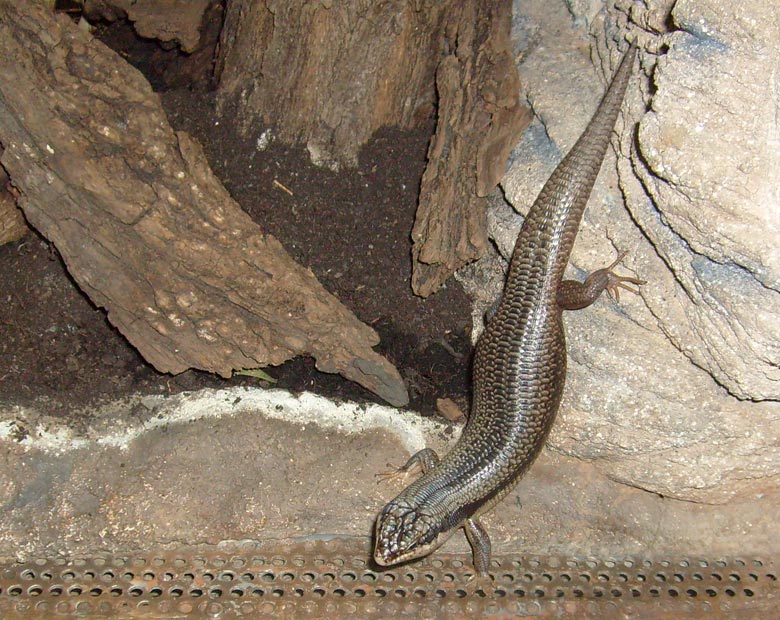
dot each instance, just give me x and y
(329, 74)
(143, 225)
(12, 224)
(175, 21)
(194, 26)
(480, 119)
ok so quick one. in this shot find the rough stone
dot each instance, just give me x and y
(707, 161)
(673, 391)
(248, 465)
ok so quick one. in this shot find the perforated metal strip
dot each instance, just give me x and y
(334, 579)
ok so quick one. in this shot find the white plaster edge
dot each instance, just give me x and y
(113, 428)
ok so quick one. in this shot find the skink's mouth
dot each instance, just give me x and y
(383, 559)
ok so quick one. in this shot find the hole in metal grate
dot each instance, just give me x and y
(324, 579)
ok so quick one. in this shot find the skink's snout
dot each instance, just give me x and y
(404, 533)
(389, 540)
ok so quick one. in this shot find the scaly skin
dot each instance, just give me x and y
(519, 365)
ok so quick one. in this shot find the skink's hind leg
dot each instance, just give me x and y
(425, 460)
(480, 545)
(573, 295)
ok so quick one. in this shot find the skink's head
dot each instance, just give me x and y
(404, 532)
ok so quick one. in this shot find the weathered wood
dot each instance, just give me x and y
(143, 225)
(329, 74)
(175, 21)
(480, 119)
(12, 224)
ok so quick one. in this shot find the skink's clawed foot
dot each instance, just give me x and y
(422, 461)
(615, 282)
(393, 472)
(482, 584)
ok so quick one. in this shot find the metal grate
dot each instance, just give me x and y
(334, 579)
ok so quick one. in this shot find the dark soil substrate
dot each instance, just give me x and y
(351, 228)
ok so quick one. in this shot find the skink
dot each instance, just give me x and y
(519, 364)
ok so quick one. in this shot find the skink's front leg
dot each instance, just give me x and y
(425, 460)
(573, 295)
(480, 545)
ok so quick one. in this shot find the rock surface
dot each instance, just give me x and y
(707, 161)
(672, 391)
(238, 464)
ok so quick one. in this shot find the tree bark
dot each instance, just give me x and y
(12, 224)
(329, 74)
(143, 225)
(174, 21)
(480, 119)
